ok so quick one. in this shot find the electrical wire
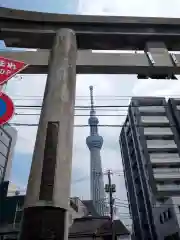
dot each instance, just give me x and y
(35, 125)
(88, 106)
(86, 125)
(162, 205)
(96, 96)
(86, 98)
(76, 115)
(73, 181)
(80, 109)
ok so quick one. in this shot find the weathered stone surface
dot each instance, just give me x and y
(58, 108)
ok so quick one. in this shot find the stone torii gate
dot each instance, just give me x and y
(48, 191)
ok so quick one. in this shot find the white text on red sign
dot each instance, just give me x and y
(9, 65)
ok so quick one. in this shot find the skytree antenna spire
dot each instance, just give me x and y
(92, 101)
(94, 143)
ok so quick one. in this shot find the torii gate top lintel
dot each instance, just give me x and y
(28, 29)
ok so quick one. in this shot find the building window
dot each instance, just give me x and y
(169, 215)
(131, 149)
(161, 219)
(161, 183)
(133, 154)
(129, 135)
(179, 208)
(165, 216)
(130, 140)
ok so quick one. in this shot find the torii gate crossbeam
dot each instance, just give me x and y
(36, 30)
(89, 62)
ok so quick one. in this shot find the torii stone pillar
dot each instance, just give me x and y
(48, 191)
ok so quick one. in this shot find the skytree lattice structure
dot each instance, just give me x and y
(94, 143)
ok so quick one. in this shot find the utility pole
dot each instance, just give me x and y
(111, 188)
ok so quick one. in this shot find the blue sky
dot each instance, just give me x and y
(105, 85)
(53, 6)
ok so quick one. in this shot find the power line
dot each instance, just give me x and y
(77, 125)
(86, 125)
(76, 109)
(80, 109)
(154, 206)
(96, 96)
(76, 115)
(73, 181)
(77, 106)
(88, 106)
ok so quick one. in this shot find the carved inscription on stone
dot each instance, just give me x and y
(49, 162)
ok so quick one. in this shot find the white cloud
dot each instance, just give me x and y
(152, 87)
(153, 8)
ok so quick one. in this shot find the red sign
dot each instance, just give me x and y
(6, 108)
(9, 68)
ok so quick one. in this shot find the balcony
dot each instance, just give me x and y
(161, 144)
(165, 159)
(158, 131)
(168, 187)
(166, 170)
(170, 175)
(152, 109)
(154, 119)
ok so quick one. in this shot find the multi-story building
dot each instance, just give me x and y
(8, 137)
(150, 148)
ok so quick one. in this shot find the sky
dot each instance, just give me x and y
(108, 90)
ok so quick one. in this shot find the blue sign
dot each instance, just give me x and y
(6, 108)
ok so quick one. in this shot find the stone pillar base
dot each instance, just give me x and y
(43, 223)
